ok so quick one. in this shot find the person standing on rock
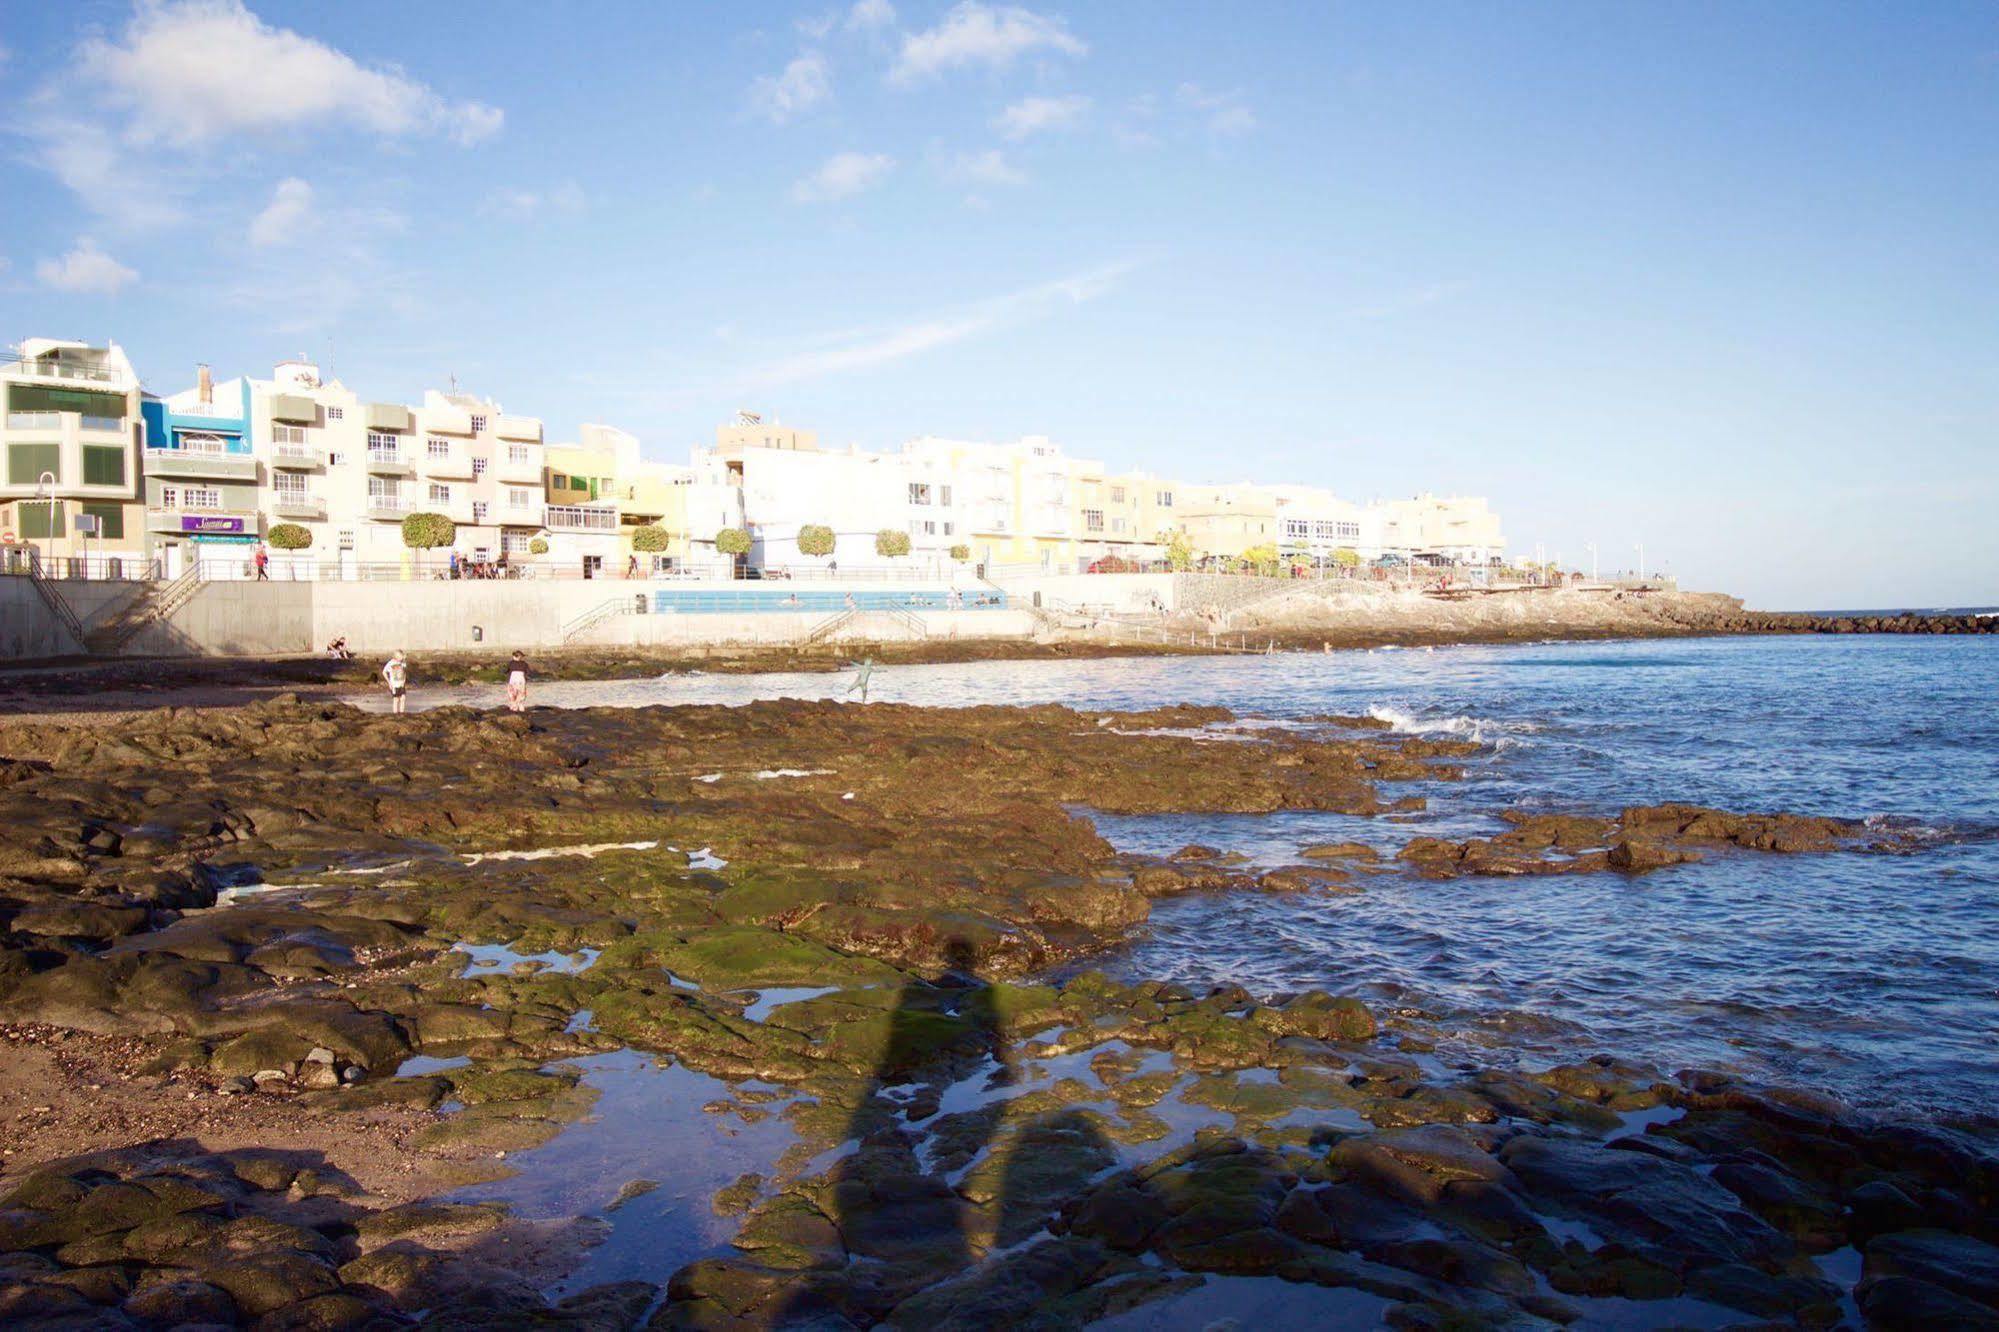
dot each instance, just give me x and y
(517, 682)
(396, 675)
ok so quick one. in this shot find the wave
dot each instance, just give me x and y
(1479, 730)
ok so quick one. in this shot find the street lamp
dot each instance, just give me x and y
(1641, 561)
(1590, 546)
(47, 480)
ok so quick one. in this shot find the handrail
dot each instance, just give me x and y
(154, 603)
(830, 625)
(604, 610)
(58, 605)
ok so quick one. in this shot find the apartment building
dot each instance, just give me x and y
(1314, 524)
(600, 490)
(1458, 528)
(1226, 520)
(472, 462)
(202, 477)
(71, 435)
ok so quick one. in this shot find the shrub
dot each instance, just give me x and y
(649, 539)
(891, 542)
(291, 536)
(1346, 559)
(1258, 559)
(427, 531)
(733, 541)
(538, 546)
(961, 553)
(814, 539)
(1179, 552)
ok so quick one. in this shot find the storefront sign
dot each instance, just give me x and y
(212, 523)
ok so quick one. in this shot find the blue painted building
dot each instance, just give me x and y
(200, 472)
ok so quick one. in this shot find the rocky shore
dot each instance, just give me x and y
(278, 978)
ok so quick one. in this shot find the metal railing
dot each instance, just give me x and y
(34, 420)
(579, 518)
(631, 604)
(95, 374)
(57, 604)
(387, 458)
(388, 506)
(298, 455)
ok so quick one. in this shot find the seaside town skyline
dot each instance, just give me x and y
(1173, 248)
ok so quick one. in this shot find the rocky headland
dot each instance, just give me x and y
(277, 979)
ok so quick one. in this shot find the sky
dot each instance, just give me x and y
(1717, 278)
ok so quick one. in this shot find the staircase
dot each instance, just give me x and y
(616, 606)
(829, 626)
(908, 621)
(152, 603)
(53, 598)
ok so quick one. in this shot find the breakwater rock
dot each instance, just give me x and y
(863, 924)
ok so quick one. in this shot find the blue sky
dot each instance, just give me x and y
(1723, 278)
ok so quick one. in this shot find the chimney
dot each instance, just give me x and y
(204, 386)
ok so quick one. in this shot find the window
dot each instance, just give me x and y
(27, 462)
(1093, 520)
(438, 448)
(478, 467)
(440, 494)
(517, 453)
(288, 485)
(1296, 527)
(103, 466)
(1117, 494)
(478, 511)
(515, 543)
(336, 413)
(1164, 499)
(110, 520)
(919, 492)
(558, 481)
(944, 495)
(380, 441)
(284, 434)
(1117, 524)
(335, 459)
(384, 488)
(947, 529)
(40, 518)
(478, 425)
(190, 497)
(517, 498)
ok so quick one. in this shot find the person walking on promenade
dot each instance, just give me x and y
(517, 682)
(454, 561)
(632, 567)
(261, 561)
(862, 675)
(396, 675)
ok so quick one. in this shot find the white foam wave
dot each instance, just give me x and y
(1478, 730)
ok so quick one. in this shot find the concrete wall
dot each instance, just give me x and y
(29, 629)
(1135, 593)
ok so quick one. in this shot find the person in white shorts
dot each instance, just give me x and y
(517, 682)
(396, 675)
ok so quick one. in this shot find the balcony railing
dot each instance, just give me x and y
(200, 460)
(388, 460)
(95, 374)
(298, 455)
(114, 425)
(579, 518)
(34, 420)
(453, 463)
(298, 504)
(388, 506)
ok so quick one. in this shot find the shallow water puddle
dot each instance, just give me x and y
(588, 851)
(760, 1008)
(501, 956)
(648, 1124)
(1234, 1302)
(418, 1065)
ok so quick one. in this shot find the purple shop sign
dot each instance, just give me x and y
(211, 522)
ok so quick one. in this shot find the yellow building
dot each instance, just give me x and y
(600, 491)
(750, 431)
(1226, 520)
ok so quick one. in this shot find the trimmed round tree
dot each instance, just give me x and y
(428, 531)
(290, 536)
(538, 545)
(891, 542)
(961, 553)
(649, 539)
(815, 539)
(733, 541)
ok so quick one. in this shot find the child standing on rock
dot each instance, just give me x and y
(517, 682)
(396, 675)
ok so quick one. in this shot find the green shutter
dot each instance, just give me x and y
(103, 466)
(36, 516)
(35, 398)
(110, 520)
(27, 462)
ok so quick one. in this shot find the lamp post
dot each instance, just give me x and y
(1590, 546)
(1641, 561)
(47, 480)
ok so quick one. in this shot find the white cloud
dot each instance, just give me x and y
(867, 348)
(85, 269)
(1227, 115)
(289, 210)
(567, 197)
(817, 28)
(802, 86)
(1037, 115)
(987, 168)
(870, 14)
(979, 34)
(841, 176)
(191, 71)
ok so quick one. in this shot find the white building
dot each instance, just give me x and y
(71, 437)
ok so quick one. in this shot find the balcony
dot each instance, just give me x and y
(199, 460)
(390, 508)
(203, 522)
(43, 368)
(298, 504)
(102, 425)
(455, 464)
(580, 518)
(526, 472)
(39, 423)
(298, 457)
(518, 427)
(390, 462)
(526, 515)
